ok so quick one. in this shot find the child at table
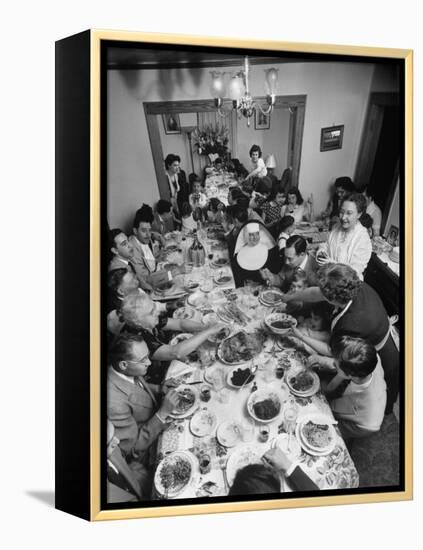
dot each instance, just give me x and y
(197, 197)
(299, 282)
(357, 394)
(215, 211)
(317, 326)
(188, 222)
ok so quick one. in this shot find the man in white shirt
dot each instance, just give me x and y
(374, 211)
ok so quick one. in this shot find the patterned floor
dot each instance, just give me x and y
(377, 457)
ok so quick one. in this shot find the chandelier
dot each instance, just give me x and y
(239, 92)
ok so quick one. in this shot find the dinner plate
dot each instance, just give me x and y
(229, 433)
(222, 280)
(203, 422)
(252, 257)
(306, 393)
(214, 374)
(310, 448)
(184, 313)
(221, 263)
(270, 297)
(185, 458)
(193, 407)
(197, 299)
(242, 456)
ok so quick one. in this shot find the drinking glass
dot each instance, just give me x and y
(290, 416)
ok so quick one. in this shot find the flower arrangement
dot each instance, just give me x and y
(211, 140)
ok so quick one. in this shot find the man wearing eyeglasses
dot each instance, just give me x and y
(138, 410)
(143, 316)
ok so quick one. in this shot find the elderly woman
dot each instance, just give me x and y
(295, 207)
(144, 317)
(359, 312)
(348, 242)
(255, 249)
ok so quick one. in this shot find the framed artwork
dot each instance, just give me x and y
(162, 371)
(331, 138)
(171, 123)
(261, 120)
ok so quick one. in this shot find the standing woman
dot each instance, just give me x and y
(359, 312)
(295, 206)
(259, 169)
(178, 185)
(348, 242)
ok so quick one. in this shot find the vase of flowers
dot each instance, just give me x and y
(211, 141)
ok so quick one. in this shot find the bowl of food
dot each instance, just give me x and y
(220, 262)
(222, 279)
(188, 401)
(265, 405)
(174, 473)
(191, 286)
(271, 297)
(239, 377)
(303, 382)
(280, 323)
(239, 348)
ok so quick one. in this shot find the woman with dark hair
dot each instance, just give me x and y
(348, 242)
(215, 210)
(259, 169)
(343, 187)
(178, 185)
(295, 207)
(163, 222)
(359, 312)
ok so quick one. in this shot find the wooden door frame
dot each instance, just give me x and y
(295, 103)
(371, 133)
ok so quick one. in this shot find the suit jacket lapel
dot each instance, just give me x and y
(123, 468)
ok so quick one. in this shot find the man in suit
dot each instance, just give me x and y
(124, 483)
(295, 257)
(146, 247)
(138, 410)
(122, 251)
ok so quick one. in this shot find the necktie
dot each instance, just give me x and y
(131, 267)
(140, 380)
(339, 390)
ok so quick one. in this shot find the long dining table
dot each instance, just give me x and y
(227, 404)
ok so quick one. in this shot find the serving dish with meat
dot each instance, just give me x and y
(266, 405)
(240, 377)
(239, 348)
(303, 382)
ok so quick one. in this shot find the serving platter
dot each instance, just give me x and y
(174, 473)
(311, 446)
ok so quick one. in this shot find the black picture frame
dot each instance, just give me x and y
(81, 111)
(261, 120)
(331, 138)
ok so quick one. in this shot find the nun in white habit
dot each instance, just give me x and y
(255, 249)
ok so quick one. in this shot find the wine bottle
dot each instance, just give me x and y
(196, 252)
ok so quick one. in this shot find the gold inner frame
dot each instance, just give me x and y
(95, 422)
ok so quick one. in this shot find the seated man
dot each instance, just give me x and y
(295, 257)
(124, 482)
(122, 251)
(137, 410)
(146, 246)
(357, 394)
(143, 316)
(256, 479)
(164, 220)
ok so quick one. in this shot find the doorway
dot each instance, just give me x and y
(295, 105)
(378, 163)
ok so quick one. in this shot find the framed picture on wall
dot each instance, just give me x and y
(164, 372)
(261, 120)
(331, 138)
(171, 123)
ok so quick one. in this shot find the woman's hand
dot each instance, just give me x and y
(268, 276)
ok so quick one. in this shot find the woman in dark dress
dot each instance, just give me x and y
(358, 312)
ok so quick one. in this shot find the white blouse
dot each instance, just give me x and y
(352, 248)
(261, 167)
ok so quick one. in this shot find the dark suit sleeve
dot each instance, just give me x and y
(300, 481)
